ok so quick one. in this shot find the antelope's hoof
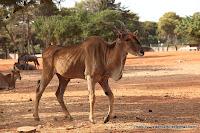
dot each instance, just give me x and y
(92, 121)
(69, 118)
(106, 119)
(37, 119)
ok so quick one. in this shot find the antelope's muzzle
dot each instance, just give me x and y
(141, 53)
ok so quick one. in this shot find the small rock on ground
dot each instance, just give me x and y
(26, 129)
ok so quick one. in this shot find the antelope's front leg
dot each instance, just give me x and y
(111, 101)
(91, 90)
(104, 84)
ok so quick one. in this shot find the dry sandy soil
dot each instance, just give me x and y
(159, 92)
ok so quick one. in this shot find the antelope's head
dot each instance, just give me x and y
(16, 74)
(127, 39)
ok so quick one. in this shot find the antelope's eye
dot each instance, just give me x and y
(127, 40)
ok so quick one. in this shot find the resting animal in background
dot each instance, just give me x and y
(24, 66)
(8, 81)
(29, 58)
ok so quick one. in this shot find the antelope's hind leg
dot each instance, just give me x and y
(91, 90)
(63, 82)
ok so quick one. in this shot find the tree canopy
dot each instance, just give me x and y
(189, 27)
(148, 32)
(98, 5)
(28, 26)
(167, 23)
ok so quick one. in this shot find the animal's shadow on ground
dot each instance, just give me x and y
(160, 81)
(147, 57)
(148, 68)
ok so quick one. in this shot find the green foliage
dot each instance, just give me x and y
(73, 25)
(23, 2)
(108, 11)
(98, 5)
(131, 20)
(10, 2)
(167, 23)
(67, 11)
(59, 27)
(46, 9)
(148, 33)
(4, 39)
(190, 27)
(37, 48)
(79, 25)
(46, 27)
(89, 5)
(96, 27)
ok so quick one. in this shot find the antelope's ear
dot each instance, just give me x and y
(136, 32)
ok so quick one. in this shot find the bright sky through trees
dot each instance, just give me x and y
(152, 10)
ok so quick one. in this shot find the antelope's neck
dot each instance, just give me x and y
(115, 54)
(115, 61)
(10, 78)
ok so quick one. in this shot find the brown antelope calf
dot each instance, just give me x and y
(94, 60)
(8, 81)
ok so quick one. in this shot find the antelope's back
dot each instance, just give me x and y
(48, 55)
(67, 61)
(3, 81)
(78, 60)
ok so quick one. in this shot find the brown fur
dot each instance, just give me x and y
(94, 60)
(8, 81)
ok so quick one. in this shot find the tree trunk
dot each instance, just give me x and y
(28, 37)
(176, 41)
(5, 50)
(47, 44)
(168, 41)
(33, 51)
(12, 38)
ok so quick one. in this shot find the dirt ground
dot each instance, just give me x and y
(159, 92)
